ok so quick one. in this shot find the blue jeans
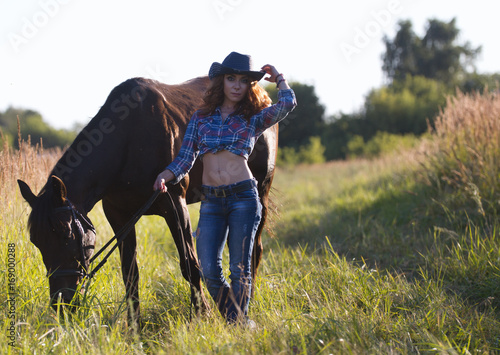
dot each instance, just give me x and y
(233, 218)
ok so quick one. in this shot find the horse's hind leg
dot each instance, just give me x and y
(181, 232)
(128, 257)
(257, 245)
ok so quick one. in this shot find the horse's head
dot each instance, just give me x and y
(64, 236)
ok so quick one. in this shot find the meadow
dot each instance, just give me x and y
(393, 255)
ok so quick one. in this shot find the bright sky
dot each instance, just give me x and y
(63, 57)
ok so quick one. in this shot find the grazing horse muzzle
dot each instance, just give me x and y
(63, 292)
(64, 287)
(64, 281)
(64, 299)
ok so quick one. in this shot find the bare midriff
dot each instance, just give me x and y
(224, 168)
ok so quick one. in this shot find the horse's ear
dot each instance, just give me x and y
(59, 190)
(28, 195)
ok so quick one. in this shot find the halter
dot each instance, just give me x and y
(119, 237)
(80, 234)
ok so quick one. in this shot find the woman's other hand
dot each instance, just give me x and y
(162, 178)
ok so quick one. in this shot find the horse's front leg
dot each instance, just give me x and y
(130, 274)
(128, 256)
(181, 231)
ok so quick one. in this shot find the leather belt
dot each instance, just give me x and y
(227, 190)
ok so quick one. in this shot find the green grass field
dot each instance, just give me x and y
(362, 259)
(394, 255)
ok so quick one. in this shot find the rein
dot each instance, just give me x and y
(120, 236)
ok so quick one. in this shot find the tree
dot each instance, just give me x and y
(479, 82)
(339, 131)
(435, 56)
(32, 125)
(405, 106)
(305, 121)
(400, 58)
(422, 71)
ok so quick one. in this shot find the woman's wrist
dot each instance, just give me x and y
(281, 83)
(168, 175)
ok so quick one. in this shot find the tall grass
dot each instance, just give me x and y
(467, 159)
(463, 166)
(361, 262)
(30, 162)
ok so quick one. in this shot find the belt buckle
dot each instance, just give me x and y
(218, 194)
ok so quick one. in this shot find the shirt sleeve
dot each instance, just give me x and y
(184, 161)
(277, 112)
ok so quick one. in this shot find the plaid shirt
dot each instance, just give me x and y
(209, 134)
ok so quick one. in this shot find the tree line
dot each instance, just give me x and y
(21, 124)
(421, 71)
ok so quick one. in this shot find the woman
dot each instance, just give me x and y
(223, 132)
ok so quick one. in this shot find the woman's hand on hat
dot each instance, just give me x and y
(272, 71)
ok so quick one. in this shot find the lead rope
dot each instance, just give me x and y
(121, 235)
(123, 232)
(186, 260)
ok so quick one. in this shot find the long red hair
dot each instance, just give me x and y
(255, 100)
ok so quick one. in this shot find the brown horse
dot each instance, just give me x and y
(116, 158)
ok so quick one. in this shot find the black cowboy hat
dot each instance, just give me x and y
(235, 63)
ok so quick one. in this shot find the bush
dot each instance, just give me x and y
(355, 147)
(287, 156)
(312, 153)
(381, 143)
